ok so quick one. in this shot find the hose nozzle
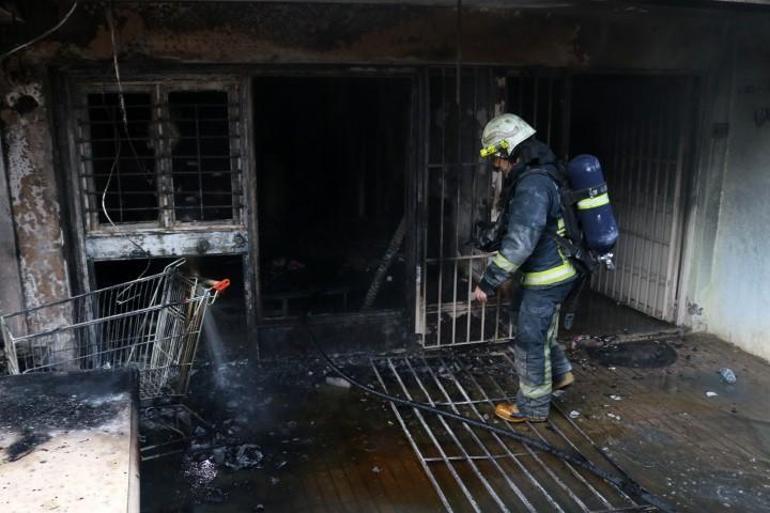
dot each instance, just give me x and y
(218, 285)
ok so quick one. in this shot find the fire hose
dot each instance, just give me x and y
(622, 482)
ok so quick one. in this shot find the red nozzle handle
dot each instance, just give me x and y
(221, 285)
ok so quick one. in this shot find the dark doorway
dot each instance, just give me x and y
(331, 156)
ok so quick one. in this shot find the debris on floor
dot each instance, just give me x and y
(728, 376)
(336, 381)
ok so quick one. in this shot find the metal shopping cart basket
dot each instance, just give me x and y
(152, 324)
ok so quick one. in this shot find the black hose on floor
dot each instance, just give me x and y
(623, 483)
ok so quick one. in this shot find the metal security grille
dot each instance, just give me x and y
(645, 131)
(121, 182)
(542, 100)
(459, 189)
(455, 186)
(474, 470)
(174, 159)
(201, 135)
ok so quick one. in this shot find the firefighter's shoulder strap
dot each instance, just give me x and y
(572, 242)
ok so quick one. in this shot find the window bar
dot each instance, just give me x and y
(643, 200)
(626, 127)
(652, 217)
(455, 261)
(199, 167)
(638, 199)
(472, 212)
(612, 290)
(535, 430)
(514, 456)
(471, 499)
(498, 306)
(671, 150)
(490, 489)
(415, 447)
(425, 193)
(161, 112)
(497, 438)
(234, 127)
(625, 169)
(682, 140)
(115, 167)
(652, 287)
(441, 207)
(469, 291)
(474, 458)
(533, 453)
(459, 180)
(86, 178)
(634, 201)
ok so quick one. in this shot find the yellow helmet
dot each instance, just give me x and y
(502, 134)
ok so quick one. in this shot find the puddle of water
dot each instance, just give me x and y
(639, 355)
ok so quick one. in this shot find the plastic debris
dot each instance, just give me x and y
(337, 382)
(613, 416)
(728, 376)
(376, 470)
(243, 456)
(574, 414)
(709, 393)
(616, 397)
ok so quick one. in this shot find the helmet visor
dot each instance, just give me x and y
(499, 149)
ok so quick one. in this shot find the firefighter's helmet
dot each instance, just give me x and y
(502, 134)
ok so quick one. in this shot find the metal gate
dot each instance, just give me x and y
(645, 125)
(457, 189)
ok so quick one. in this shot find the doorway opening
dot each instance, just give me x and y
(331, 158)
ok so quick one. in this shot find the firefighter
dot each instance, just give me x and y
(533, 212)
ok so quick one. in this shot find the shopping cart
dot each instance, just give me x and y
(151, 324)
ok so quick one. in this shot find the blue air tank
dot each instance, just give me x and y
(595, 213)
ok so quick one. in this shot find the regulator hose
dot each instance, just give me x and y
(623, 482)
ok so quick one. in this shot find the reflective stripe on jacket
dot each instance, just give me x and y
(534, 215)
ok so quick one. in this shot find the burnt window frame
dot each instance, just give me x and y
(89, 203)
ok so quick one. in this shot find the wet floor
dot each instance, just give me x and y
(285, 439)
(680, 429)
(323, 448)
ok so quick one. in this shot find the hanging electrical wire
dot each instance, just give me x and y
(124, 118)
(43, 35)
